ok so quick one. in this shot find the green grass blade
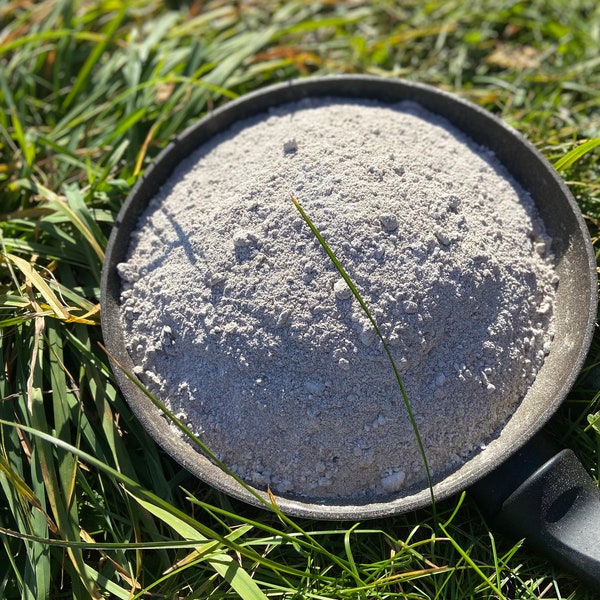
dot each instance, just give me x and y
(95, 55)
(349, 555)
(87, 230)
(28, 149)
(48, 36)
(40, 284)
(222, 563)
(38, 579)
(116, 591)
(367, 312)
(576, 154)
(465, 555)
(226, 566)
(177, 516)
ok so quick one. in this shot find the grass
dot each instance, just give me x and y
(89, 94)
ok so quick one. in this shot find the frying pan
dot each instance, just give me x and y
(519, 480)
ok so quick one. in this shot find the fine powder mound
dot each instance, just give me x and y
(240, 323)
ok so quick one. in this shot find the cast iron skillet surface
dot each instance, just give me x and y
(575, 306)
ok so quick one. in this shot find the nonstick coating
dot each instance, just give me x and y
(575, 304)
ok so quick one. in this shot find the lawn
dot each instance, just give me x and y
(90, 92)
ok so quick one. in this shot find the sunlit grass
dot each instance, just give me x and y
(90, 92)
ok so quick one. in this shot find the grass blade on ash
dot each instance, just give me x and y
(363, 305)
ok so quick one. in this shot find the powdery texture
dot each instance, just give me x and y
(237, 319)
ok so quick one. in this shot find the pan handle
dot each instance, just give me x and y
(548, 498)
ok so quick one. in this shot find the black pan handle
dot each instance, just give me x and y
(548, 498)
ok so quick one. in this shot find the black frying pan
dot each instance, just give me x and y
(521, 481)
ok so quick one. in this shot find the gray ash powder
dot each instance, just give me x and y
(236, 318)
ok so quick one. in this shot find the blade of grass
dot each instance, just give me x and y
(91, 544)
(200, 553)
(299, 538)
(68, 209)
(367, 312)
(58, 476)
(465, 555)
(37, 579)
(87, 230)
(37, 281)
(95, 55)
(22, 490)
(27, 147)
(50, 35)
(222, 563)
(115, 590)
(175, 518)
(576, 154)
(348, 549)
